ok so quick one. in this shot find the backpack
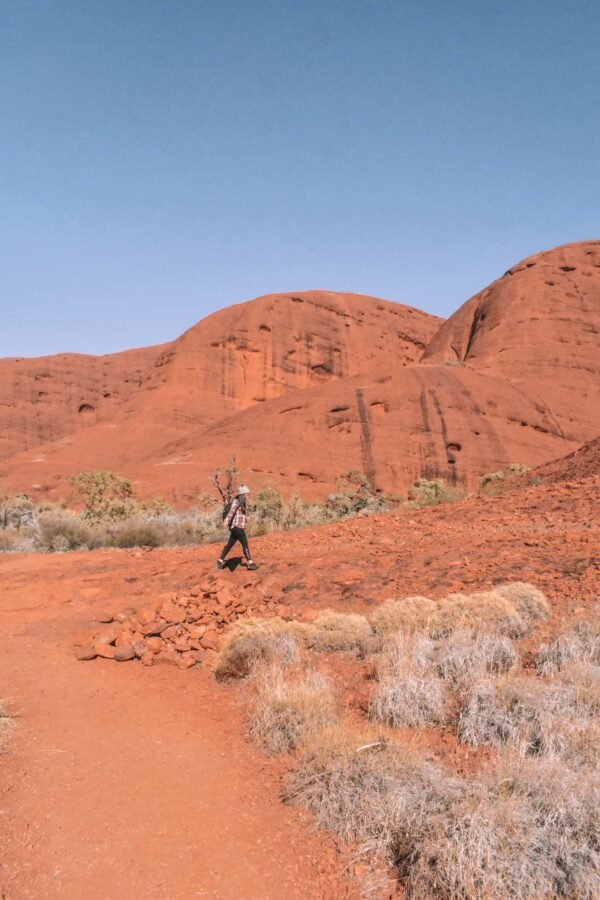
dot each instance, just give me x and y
(227, 509)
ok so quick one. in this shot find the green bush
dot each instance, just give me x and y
(426, 492)
(105, 495)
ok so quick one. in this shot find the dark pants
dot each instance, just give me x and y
(237, 534)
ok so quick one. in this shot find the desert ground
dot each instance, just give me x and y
(130, 762)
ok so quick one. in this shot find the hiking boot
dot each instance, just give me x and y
(220, 564)
(252, 567)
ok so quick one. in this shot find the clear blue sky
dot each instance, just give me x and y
(161, 159)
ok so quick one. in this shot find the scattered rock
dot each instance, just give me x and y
(86, 651)
(106, 651)
(108, 636)
(124, 653)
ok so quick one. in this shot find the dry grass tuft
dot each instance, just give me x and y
(538, 718)
(285, 712)
(529, 602)
(511, 610)
(488, 610)
(333, 631)
(363, 789)
(409, 692)
(254, 641)
(466, 655)
(527, 829)
(410, 614)
(580, 643)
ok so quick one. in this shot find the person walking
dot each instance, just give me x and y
(236, 520)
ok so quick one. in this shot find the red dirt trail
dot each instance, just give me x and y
(121, 780)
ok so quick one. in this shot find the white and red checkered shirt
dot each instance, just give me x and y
(236, 517)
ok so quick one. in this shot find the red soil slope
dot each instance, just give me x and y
(137, 782)
(581, 464)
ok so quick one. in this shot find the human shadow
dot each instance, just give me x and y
(233, 563)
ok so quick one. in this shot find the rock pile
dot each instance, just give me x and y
(181, 629)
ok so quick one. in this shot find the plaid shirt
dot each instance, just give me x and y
(236, 517)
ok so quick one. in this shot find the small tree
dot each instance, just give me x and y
(354, 495)
(105, 495)
(226, 482)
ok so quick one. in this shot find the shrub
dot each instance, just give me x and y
(488, 610)
(363, 789)
(59, 530)
(409, 692)
(529, 602)
(355, 496)
(12, 540)
(285, 712)
(333, 631)
(267, 510)
(510, 610)
(581, 642)
(518, 469)
(16, 512)
(410, 701)
(465, 655)
(536, 717)
(431, 493)
(564, 811)
(491, 478)
(527, 829)
(139, 533)
(105, 495)
(254, 641)
(410, 614)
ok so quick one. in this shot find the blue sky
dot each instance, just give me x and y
(161, 159)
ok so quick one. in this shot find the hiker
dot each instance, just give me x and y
(235, 520)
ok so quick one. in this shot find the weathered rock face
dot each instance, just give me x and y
(433, 421)
(240, 357)
(46, 398)
(253, 352)
(539, 327)
(302, 388)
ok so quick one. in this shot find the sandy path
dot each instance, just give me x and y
(137, 783)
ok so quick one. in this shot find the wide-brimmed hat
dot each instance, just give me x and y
(243, 489)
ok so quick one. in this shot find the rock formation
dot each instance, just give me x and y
(302, 387)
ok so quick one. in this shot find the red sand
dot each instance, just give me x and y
(137, 781)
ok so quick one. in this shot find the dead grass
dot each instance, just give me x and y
(253, 641)
(537, 718)
(526, 829)
(411, 614)
(333, 631)
(512, 610)
(364, 789)
(580, 643)
(409, 692)
(285, 711)
(466, 655)
(529, 602)
(525, 826)
(522, 829)
(488, 610)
